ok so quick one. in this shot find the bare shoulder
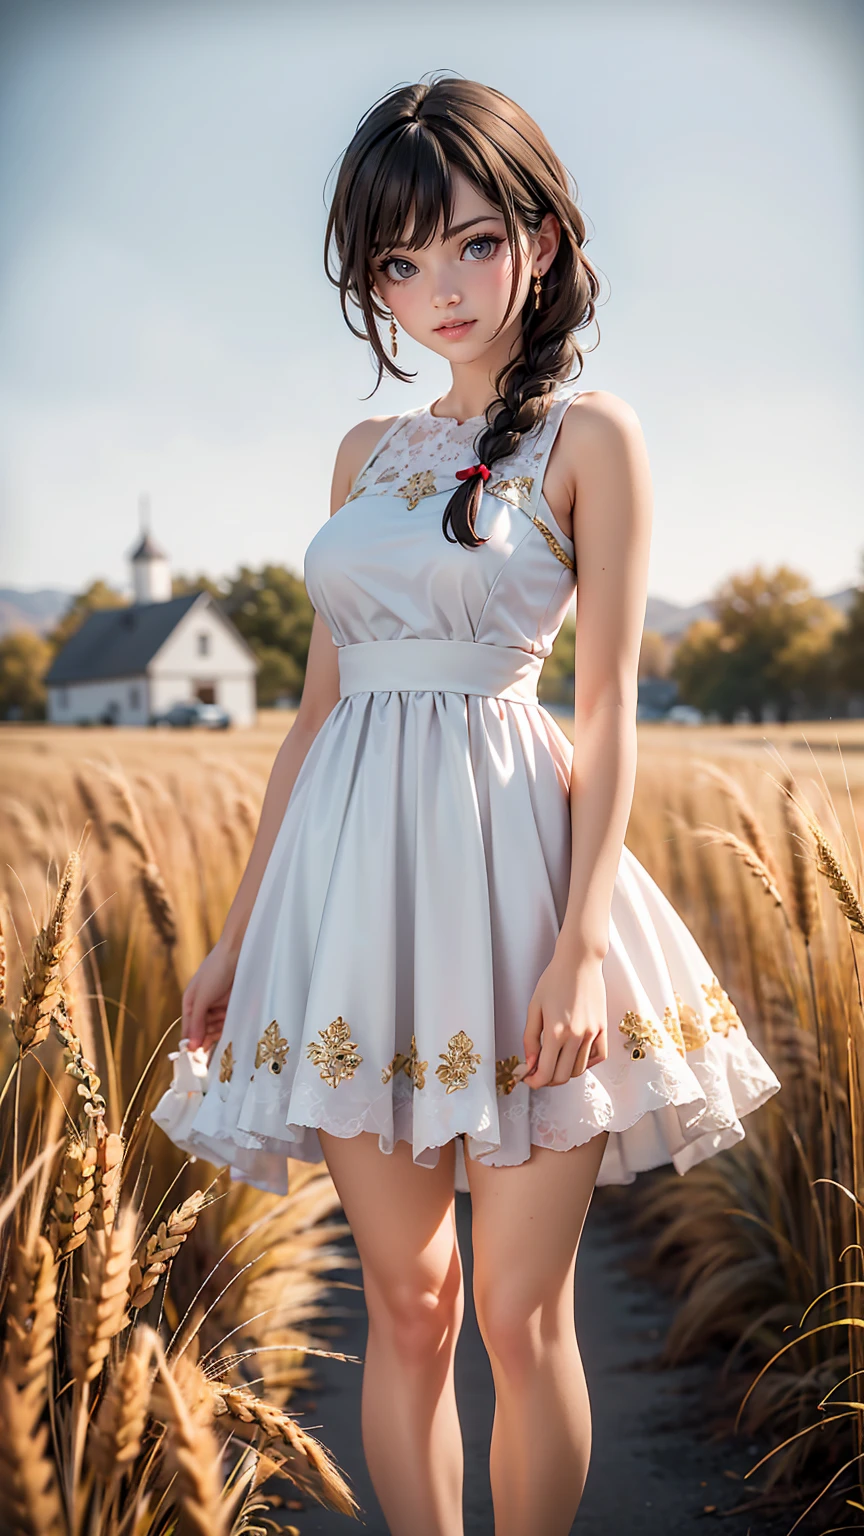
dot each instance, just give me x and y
(599, 422)
(358, 444)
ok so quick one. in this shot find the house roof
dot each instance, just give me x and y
(120, 642)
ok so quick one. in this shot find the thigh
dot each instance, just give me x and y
(527, 1220)
(402, 1216)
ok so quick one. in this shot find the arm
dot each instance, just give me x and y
(606, 452)
(205, 999)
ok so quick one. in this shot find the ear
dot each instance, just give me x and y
(546, 242)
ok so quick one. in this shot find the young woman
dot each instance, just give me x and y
(442, 969)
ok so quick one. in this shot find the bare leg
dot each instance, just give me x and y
(527, 1222)
(404, 1224)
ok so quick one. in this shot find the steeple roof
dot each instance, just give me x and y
(148, 549)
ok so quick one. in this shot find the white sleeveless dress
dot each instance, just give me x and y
(417, 884)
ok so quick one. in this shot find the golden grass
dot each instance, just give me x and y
(149, 1359)
(763, 1242)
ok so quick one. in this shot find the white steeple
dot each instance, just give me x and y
(151, 571)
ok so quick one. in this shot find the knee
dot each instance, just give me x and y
(517, 1328)
(420, 1321)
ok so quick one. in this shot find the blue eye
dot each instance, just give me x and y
(398, 261)
(489, 241)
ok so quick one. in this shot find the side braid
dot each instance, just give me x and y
(524, 388)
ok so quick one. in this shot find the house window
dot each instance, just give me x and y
(63, 698)
(134, 697)
(203, 644)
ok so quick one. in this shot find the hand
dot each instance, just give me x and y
(205, 1000)
(566, 1029)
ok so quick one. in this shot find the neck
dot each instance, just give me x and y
(472, 386)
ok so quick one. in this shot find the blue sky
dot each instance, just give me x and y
(166, 327)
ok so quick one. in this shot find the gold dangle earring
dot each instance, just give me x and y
(393, 347)
(537, 289)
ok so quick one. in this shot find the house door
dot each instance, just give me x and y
(206, 692)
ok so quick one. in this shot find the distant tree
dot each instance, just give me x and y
(271, 607)
(655, 655)
(849, 645)
(280, 676)
(181, 585)
(98, 595)
(24, 660)
(769, 646)
(557, 678)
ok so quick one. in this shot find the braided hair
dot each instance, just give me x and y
(402, 158)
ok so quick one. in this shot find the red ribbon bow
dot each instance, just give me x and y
(476, 469)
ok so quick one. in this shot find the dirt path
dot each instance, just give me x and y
(650, 1472)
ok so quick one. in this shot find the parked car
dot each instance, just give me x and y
(193, 712)
(684, 714)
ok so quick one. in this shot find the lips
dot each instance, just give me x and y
(454, 328)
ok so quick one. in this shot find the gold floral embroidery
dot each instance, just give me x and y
(557, 549)
(673, 1024)
(516, 490)
(725, 1015)
(457, 1062)
(338, 1057)
(387, 476)
(416, 486)
(226, 1064)
(358, 491)
(273, 1049)
(411, 1065)
(505, 1082)
(695, 1033)
(642, 1032)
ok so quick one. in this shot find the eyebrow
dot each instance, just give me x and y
(480, 218)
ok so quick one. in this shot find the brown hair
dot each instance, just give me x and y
(402, 156)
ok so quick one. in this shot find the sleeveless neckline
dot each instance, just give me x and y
(452, 421)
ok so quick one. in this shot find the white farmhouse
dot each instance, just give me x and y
(126, 664)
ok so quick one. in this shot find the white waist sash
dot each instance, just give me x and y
(451, 666)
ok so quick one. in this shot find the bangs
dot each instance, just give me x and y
(410, 179)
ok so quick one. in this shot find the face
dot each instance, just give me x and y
(452, 296)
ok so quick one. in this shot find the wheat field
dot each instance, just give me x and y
(136, 1267)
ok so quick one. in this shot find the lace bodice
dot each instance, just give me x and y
(420, 453)
(381, 568)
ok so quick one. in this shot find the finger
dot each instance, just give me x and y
(542, 1075)
(564, 1066)
(582, 1054)
(599, 1050)
(531, 1037)
(197, 1020)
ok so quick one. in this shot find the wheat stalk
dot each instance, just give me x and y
(162, 1247)
(27, 824)
(828, 864)
(43, 987)
(29, 1495)
(120, 785)
(79, 1067)
(753, 828)
(94, 811)
(96, 1318)
(183, 1401)
(106, 1187)
(123, 1412)
(308, 1466)
(71, 1209)
(129, 835)
(2, 967)
(805, 899)
(749, 857)
(159, 904)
